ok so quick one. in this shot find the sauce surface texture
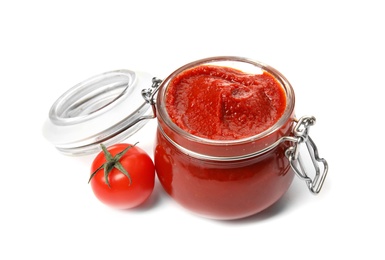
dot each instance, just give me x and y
(223, 103)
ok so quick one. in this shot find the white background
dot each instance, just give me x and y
(333, 54)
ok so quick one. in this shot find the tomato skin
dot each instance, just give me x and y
(122, 194)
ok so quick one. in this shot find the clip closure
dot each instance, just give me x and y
(301, 132)
(149, 94)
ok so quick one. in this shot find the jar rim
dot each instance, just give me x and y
(288, 112)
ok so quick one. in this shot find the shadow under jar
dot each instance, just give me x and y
(224, 175)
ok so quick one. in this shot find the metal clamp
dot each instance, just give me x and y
(301, 132)
(149, 94)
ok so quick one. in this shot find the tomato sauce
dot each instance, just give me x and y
(225, 104)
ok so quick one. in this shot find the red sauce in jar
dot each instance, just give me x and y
(223, 103)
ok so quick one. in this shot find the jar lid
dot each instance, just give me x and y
(106, 108)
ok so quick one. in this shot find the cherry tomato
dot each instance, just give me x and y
(122, 176)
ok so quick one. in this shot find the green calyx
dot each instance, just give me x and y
(111, 163)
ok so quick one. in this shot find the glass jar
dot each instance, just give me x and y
(224, 179)
(220, 179)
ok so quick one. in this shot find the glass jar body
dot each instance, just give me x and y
(222, 189)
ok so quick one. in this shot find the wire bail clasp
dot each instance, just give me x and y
(149, 94)
(301, 132)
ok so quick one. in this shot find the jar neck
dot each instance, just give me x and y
(226, 152)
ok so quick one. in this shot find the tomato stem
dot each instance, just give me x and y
(111, 163)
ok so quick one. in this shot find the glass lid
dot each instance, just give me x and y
(106, 108)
